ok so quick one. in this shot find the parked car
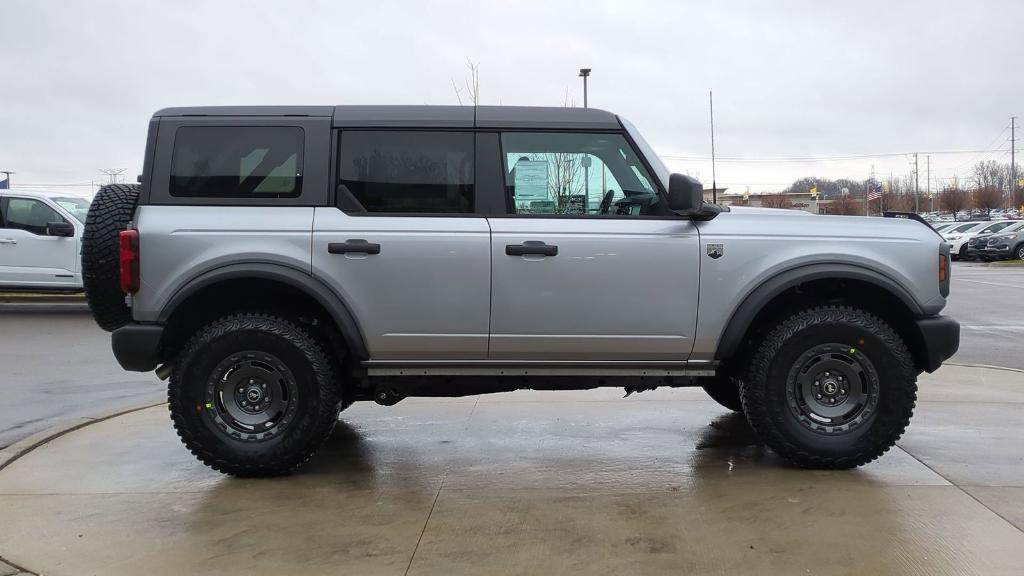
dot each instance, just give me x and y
(958, 236)
(40, 240)
(284, 262)
(943, 226)
(977, 246)
(1007, 244)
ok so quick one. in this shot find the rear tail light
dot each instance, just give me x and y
(128, 257)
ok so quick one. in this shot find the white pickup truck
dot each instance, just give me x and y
(41, 240)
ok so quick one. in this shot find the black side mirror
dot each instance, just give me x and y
(685, 195)
(64, 229)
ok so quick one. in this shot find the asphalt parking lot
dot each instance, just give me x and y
(519, 483)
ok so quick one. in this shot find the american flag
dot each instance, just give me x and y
(874, 191)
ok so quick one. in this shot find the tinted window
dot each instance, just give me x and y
(237, 162)
(584, 174)
(30, 215)
(410, 172)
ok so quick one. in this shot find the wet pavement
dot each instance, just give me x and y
(536, 483)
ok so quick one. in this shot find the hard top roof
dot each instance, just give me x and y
(423, 116)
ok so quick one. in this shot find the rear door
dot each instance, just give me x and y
(588, 264)
(28, 256)
(405, 246)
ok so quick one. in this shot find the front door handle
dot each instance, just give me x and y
(531, 247)
(353, 246)
(8, 241)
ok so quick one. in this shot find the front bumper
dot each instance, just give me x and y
(137, 346)
(941, 338)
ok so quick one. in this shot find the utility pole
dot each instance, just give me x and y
(112, 173)
(928, 184)
(917, 187)
(714, 184)
(1013, 166)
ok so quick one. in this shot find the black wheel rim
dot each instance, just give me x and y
(832, 388)
(252, 395)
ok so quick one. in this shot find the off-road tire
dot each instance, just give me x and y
(725, 391)
(111, 211)
(768, 401)
(200, 426)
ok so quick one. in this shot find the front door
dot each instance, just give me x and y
(28, 256)
(404, 247)
(589, 266)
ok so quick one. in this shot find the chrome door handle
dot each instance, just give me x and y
(8, 241)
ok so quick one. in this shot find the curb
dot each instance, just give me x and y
(12, 453)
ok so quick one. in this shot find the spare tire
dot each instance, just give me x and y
(111, 211)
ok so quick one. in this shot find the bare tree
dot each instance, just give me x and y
(991, 174)
(779, 200)
(471, 83)
(845, 205)
(898, 202)
(988, 198)
(953, 199)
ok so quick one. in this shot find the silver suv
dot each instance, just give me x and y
(281, 263)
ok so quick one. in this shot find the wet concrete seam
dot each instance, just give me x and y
(425, 524)
(989, 366)
(23, 570)
(960, 488)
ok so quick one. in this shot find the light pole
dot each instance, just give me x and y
(585, 73)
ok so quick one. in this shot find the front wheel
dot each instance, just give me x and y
(830, 387)
(1019, 252)
(253, 395)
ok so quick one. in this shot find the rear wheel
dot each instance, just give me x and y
(725, 391)
(253, 395)
(830, 387)
(110, 212)
(1018, 252)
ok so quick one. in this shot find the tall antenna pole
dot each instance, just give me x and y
(714, 184)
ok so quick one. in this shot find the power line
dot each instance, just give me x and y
(785, 159)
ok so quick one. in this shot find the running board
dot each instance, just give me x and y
(539, 368)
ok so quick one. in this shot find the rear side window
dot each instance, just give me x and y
(237, 162)
(406, 171)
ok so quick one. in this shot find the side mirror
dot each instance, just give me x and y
(685, 195)
(64, 229)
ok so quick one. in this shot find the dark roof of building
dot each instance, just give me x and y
(424, 116)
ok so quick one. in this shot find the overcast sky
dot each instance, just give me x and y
(791, 79)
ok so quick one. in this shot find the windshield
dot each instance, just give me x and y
(660, 170)
(77, 207)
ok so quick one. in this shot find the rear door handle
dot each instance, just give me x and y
(531, 247)
(8, 241)
(353, 246)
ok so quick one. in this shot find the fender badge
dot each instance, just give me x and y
(716, 251)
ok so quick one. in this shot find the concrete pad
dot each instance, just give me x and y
(714, 529)
(1006, 502)
(969, 443)
(954, 383)
(528, 483)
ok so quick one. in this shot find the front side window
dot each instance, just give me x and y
(30, 215)
(412, 172)
(237, 162)
(77, 207)
(572, 173)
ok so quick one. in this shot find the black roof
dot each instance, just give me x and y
(424, 116)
